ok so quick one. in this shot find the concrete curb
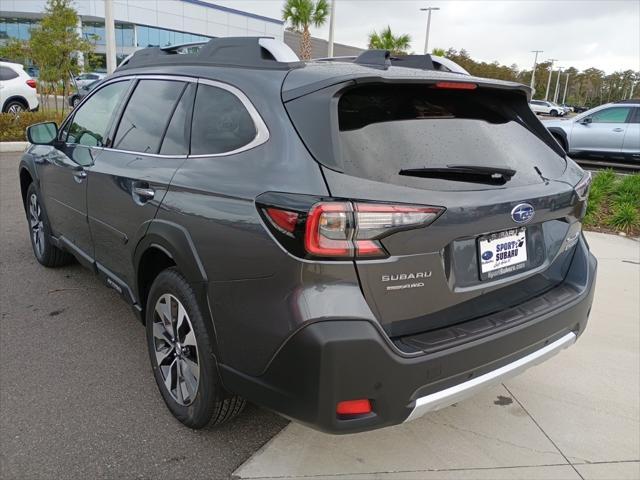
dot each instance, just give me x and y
(6, 147)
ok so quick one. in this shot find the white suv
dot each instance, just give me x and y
(549, 108)
(17, 89)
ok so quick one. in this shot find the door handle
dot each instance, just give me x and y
(143, 194)
(618, 129)
(79, 175)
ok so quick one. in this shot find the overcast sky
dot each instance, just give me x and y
(582, 33)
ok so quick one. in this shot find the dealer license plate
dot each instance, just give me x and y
(503, 252)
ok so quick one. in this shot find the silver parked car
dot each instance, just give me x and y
(612, 130)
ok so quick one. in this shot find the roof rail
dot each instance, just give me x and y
(383, 58)
(422, 62)
(380, 58)
(629, 100)
(249, 52)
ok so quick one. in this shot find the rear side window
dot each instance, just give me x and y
(221, 123)
(7, 73)
(146, 115)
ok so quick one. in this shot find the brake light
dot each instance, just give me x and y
(354, 407)
(344, 229)
(456, 85)
(31, 82)
(328, 232)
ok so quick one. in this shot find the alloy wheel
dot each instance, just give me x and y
(36, 224)
(15, 109)
(176, 350)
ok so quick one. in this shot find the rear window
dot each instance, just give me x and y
(376, 130)
(364, 106)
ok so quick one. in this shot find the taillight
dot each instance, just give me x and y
(329, 230)
(582, 187)
(31, 82)
(345, 229)
(283, 220)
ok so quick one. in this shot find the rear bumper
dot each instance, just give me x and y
(331, 361)
(451, 395)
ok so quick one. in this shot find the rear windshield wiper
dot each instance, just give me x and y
(463, 173)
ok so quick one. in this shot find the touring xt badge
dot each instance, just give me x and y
(399, 277)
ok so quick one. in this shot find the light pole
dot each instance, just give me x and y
(557, 92)
(110, 34)
(535, 65)
(566, 85)
(332, 17)
(426, 40)
(546, 95)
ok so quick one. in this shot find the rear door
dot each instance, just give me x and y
(631, 143)
(129, 180)
(605, 133)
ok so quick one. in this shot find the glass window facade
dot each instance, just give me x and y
(160, 37)
(16, 28)
(94, 31)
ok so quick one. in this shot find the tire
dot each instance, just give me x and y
(44, 250)
(75, 102)
(182, 359)
(14, 107)
(553, 113)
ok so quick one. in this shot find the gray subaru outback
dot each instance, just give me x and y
(349, 242)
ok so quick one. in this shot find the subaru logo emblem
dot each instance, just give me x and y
(522, 213)
(486, 256)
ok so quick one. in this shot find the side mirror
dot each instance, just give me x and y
(42, 133)
(586, 121)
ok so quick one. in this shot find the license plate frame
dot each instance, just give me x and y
(492, 266)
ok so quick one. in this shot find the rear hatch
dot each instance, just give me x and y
(475, 150)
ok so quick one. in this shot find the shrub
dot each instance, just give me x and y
(625, 217)
(614, 203)
(12, 128)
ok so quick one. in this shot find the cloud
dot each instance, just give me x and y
(591, 33)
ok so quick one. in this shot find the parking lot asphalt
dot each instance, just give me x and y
(77, 396)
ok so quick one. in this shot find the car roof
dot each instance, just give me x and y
(12, 65)
(270, 56)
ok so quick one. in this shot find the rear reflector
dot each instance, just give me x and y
(31, 82)
(354, 407)
(456, 85)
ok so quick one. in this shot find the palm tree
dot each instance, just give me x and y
(439, 52)
(386, 40)
(301, 14)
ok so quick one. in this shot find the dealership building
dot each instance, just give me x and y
(144, 23)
